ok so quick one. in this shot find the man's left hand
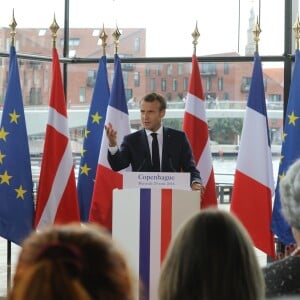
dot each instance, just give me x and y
(196, 186)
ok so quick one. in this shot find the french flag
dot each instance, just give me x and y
(144, 222)
(106, 179)
(254, 182)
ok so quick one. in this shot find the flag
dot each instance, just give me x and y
(195, 126)
(16, 187)
(106, 178)
(92, 140)
(254, 182)
(290, 152)
(57, 201)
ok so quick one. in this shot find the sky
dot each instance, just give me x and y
(169, 23)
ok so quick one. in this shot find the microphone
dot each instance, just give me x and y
(171, 163)
(142, 164)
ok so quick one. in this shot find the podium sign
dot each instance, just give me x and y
(156, 180)
(144, 221)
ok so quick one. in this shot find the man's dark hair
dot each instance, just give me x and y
(156, 97)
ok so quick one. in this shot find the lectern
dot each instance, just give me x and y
(144, 221)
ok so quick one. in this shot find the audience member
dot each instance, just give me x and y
(211, 257)
(71, 262)
(282, 277)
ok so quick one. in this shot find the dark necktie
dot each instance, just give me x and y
(155, 153)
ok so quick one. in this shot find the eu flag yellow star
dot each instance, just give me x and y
(284, 135)
(281, 157)
(86, 132)
(292, 118)
(3, 133)
(14, 117)
(1, 157)
(96, 118)
(83, 151)
(281, 175)
(85, 169)
(5, 178)
(20, 192)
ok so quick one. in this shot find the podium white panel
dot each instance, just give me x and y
(144, 221)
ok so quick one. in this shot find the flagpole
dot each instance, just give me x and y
(13, 26)
(256, 32)
(103, 36)
(54, 28)
(116, 35)
(195, 36)
(296, 29)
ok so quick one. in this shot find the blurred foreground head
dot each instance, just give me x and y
(211, 257)
(71, 262)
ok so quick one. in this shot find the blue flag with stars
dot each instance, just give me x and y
(92, 140)
(290, 152)
(16, 187)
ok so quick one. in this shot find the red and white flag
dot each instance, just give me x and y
(106, 179)
(254, 181)
(196, 128)
(57, 196)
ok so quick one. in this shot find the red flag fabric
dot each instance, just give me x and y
(254, 181)
(106, 178)
(196, 128)
(57, 201)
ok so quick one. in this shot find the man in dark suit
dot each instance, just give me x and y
(174, 151)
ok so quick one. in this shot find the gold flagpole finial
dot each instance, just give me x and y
(296, 29)
(13, 26)
(256, 32)
(103, 36)
(116, 34)
(54, 28)
(195, 36)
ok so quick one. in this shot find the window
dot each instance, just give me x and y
(136, 79)
(137, 44)
(152, 85)
(82, 94)
(226, 68)
(245, 86)
(125, 78)
(170, 70)
(185, 83)
(72, 42)
(208, 69)
(163, 84)
(180, 69)
(148, 71)
(158, 70)
(174, 84)
(91, 78)
(220, 84)
(274, 97)
(208, 83)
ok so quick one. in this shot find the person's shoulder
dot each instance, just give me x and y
(135, 134)
(174, 131)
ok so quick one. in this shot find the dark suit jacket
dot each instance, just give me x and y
(177, 155)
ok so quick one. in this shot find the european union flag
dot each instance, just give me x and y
(16, 187)
(92, 140)
(290, 152)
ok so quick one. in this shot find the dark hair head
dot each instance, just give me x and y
(211, 257)
(156, 97)
(71, 262)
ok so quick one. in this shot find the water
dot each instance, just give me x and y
(224, 168)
